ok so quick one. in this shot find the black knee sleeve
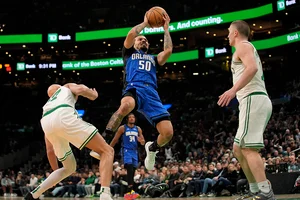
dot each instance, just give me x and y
(130, 174)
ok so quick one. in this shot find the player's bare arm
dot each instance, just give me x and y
(163, 56)
(246, 54)
(83, 90)
(51, 155)
(117, 136)
(135, 31)
(141, 138)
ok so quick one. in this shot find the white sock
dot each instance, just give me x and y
(55, 177)
(253, 187)
(264, 186)
(105, 190)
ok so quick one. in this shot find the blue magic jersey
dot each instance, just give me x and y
(129, 137)
(140, 68)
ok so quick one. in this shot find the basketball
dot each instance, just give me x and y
(155, 16)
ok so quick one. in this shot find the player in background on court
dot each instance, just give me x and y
(140, 87)
(255, 109)
(130, 135)
(61, 125)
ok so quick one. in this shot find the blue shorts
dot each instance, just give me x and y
(130, 157)
(148, 102)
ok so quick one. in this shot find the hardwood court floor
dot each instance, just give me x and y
(279, 197)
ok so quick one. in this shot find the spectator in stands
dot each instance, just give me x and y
(180, 184)
(191, 190)
(211, 178)
(6, 184)
(89, 183)
(29, 186)
(81, 188)
(229, 178)
(20, 182)
(173, 177)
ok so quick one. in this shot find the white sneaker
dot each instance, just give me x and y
(105, 196)
(95, 155)
(150, 158)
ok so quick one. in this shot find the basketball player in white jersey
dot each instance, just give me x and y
(255, 109)
(61, 125)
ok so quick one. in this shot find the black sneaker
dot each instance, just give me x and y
(29, 196)
(263, 196)
(245, 196)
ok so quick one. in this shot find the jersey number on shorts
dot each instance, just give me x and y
(54, 96)
(131, 138)
(145, 65)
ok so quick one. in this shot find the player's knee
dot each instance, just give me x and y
(70, 165)
(125, 108)
(169, 134)
(73, 168)
(109, 150)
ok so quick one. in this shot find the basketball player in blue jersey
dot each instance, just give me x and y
(130, 135)
(140, 87)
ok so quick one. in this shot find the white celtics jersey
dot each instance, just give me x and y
(63, 97)
(257, 84)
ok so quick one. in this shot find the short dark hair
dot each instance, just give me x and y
(242, 27)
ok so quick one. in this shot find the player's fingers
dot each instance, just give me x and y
(168, 17)
(227, 103)
(224, 100)
(220, 101)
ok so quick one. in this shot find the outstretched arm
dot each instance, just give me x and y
(83, 90)
(163, 56)
(135, 31)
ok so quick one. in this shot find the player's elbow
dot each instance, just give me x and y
(168, 51)
(254, 70)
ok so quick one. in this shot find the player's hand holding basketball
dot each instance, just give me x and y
(167, 21)
(146, 22)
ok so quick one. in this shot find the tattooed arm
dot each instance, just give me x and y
(135, 31)
(163, 56)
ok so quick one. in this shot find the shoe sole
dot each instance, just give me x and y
(147, 152)
(95, 155)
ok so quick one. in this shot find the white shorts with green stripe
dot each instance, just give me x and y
(63, 126)
(255, 112)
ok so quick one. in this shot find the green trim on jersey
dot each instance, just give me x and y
(245, 132)
(88, 139)
(256, 93)
(55, 108)
(65, 156)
